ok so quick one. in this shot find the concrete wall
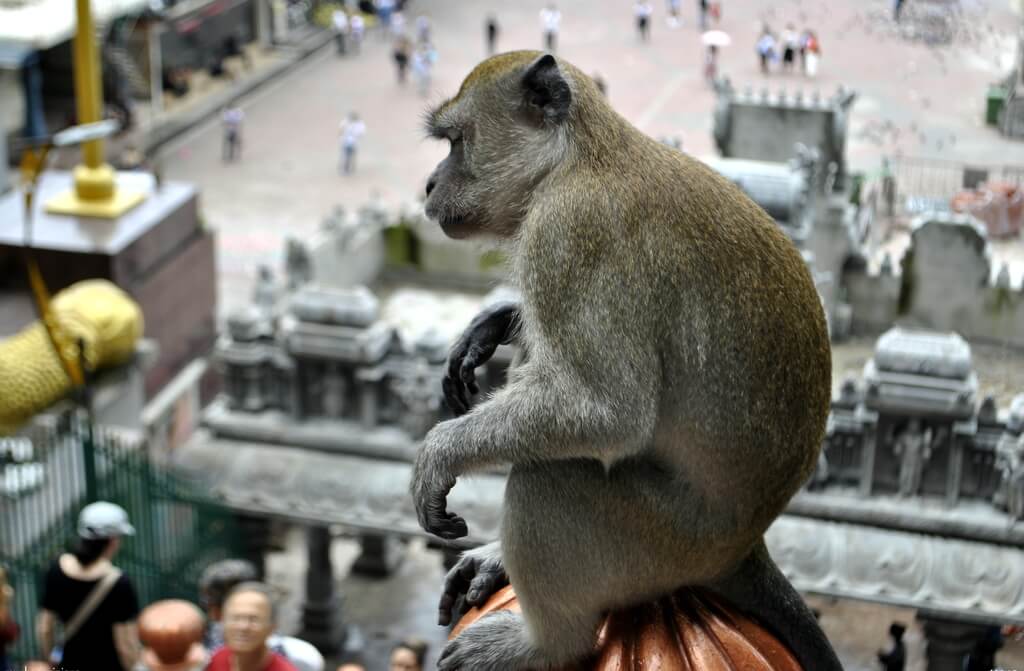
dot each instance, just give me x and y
(769, 133)
(946, 284)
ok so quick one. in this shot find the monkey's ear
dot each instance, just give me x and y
(546, 89)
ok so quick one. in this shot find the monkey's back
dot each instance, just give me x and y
(745, 358)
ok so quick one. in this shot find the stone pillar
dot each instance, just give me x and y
(380, 555)
(867, 472)
(949, 642)
(256, 539)
(321, 613)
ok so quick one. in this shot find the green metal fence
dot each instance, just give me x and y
(179, 531)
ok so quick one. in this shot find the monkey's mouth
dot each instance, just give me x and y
(454, 226)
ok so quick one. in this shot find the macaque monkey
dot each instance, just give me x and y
(676, 384)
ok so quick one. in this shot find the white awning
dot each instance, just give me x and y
(41, 24)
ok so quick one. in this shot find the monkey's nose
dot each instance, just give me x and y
(431, 183)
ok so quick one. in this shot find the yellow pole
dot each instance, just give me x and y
(88, 89)
(94, 194)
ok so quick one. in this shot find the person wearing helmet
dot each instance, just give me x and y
(94, 602)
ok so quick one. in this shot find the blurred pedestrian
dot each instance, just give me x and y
(248, 623)
(339, 24)
(409, 655)
(356, 31)
(790, 44)
(702, 14)
(422, 29)
(642, 10)
(231, 120)
(398, 24)
(897, 7)
(895, 659)
(215, 583)
(812, 50)
(711, 63)
(766, 49)
(352, 130)
(9, 629)
(673, 13)
(400, 53)
(715, 11)
(550, 24)
(92, 598)
(423, 60)
(384, 9)
(491, 30)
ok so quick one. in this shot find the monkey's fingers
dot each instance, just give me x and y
(451, 526)
(454, 396)
(475, 357)
(484, 584)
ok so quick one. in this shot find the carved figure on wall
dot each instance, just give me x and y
(417, 392)
(914, 448)
(1010, 462)
(264, 293)
(298, 266)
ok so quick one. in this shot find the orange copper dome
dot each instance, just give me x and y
(689, 631)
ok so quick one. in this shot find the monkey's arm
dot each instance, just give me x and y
(495, 325)
(551, 411)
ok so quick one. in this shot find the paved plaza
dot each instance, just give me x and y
(288, 177)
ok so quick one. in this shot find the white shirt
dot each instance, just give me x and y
(549, 19)
(340, 21)
(356, 22)
(302, 655)
(233, 118)
(642, 10)
(351, 131)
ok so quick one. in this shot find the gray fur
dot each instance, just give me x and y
(678, 377)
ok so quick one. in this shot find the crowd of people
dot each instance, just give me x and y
(787, 49)
(89, 617)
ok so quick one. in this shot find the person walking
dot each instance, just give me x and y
(812, 51)
(673, 14)
(711, 64)
(232, 119)
(897, 8)
(352, 130)
(339, 24)
(894, 659)
(491, 30)
(356, 30)
(702, 15)
(422, 30)
(92, 598)
(423, 60)
(766, 49)
(642, 10)
(400, 53)
(550, 24)
(790, 44)
(385, 8)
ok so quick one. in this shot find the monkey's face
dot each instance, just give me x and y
(505, 129)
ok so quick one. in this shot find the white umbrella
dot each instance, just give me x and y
(716, 38)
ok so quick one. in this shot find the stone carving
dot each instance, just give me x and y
(298, 267)
(265, 293)
(966, 578)
(914, 448)
(1010, 462)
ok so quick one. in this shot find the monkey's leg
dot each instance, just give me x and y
(758, 588)
(579, 541)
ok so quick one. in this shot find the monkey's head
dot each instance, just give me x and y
(508, 127)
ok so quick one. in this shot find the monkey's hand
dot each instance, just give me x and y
(478, 574)
(495, 325)
(432, 478)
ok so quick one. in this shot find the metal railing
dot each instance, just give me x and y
(924, 184)
(178, 530)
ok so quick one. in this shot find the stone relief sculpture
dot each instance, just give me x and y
(914, 447)
(1010, 462)
(298, 266)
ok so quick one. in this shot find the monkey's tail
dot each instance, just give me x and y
(758, 588)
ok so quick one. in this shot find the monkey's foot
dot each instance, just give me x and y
(477, 575)
(497, 642)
